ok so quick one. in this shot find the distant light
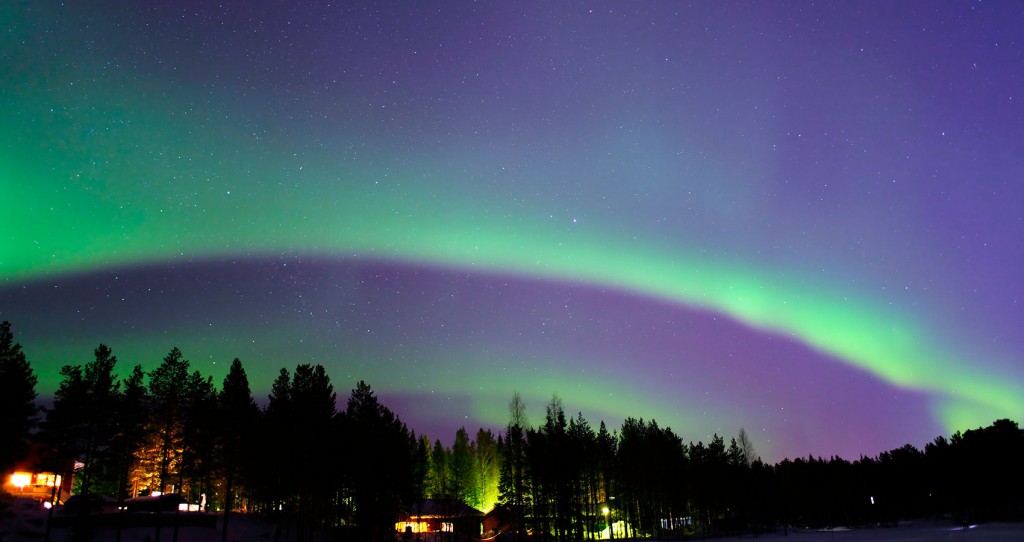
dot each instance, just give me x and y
(872, 500)
(21, 479)
(47, 505)
(605, 510)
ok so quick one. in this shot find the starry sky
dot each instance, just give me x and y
(798, 219)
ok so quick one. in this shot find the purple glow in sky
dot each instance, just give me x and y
(802, 220)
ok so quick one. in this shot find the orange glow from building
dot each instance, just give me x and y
(21, 479)
(412, 527)
(47, 479)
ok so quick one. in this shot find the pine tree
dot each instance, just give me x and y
(168, 385)
(105, 391)
(17, 399)
(199, 431)
(421, 467)
(552, 471)
(440, 471)
(82, 421)
(237, 415)
(379, 462)
(486, 467)
(313, 437)
(582, 456)
(606, 456)
(275, 445)
(301, 441)
(131, 416)
(514, 481)
(462, 468)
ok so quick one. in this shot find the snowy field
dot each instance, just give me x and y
(23, 522)
(249, 531)
(26, 522)
(918, 532)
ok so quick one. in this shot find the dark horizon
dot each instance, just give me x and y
(174, 430)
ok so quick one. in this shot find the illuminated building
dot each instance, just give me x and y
(42, 475)
(440, 516)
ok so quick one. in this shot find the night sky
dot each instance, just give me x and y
(802, 220)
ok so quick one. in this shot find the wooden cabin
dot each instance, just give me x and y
(429, 516)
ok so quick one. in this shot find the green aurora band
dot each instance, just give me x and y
(94, 191)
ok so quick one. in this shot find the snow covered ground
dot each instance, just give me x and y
(26, 522)
(916, 532)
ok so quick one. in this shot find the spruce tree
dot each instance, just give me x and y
(514, 482)
(487, 461)
(313, 406)
(275, 445)
(440, 469)
(421, 467)
(378, 469)
(237, 415)
(131, 416)
(462, 468)
(82, 421)
(168, 384)
(17, 399)
(199, 435)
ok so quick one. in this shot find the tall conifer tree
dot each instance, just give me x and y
(167, 388)
(82, 422)
(237, 415)
(131, 416)
(17, 399)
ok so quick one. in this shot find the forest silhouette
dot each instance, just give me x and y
(314, 468)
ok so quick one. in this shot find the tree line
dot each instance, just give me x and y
(566, 480)
(313, 467)
(301, 460)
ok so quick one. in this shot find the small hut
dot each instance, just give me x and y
(44, 476)
(440, 516)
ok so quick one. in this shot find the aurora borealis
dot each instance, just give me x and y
(797, 219)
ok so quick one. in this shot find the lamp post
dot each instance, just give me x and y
(606, 511)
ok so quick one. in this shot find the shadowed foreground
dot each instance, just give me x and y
(28, 524)
(915, 532)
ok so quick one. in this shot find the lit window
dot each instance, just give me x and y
(46, 479)
(412, 526)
